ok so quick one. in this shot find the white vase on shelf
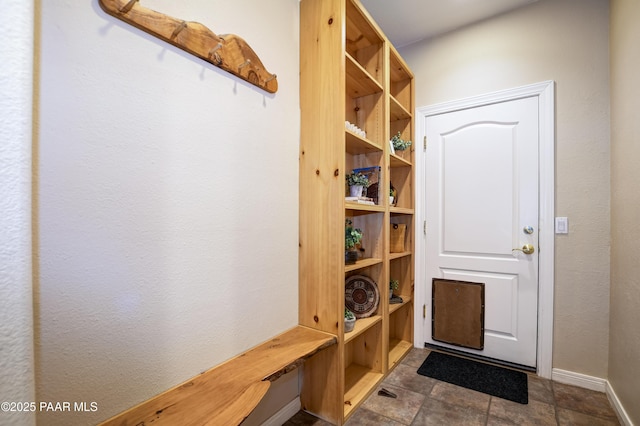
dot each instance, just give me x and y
(356, 190)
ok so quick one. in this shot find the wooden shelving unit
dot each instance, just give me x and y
(350, 72)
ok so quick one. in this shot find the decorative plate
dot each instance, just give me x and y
(361, 295)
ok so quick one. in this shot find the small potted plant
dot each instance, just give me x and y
(393, 285)
(393, 195)
(398, 143)
(357, 182)
(352, 237)
(349, 320)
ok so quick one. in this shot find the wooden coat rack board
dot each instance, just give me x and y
(226, 51)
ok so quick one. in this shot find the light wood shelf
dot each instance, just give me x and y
(356, 144)
(362, 263)
(359, 383)
(231, 390)
(397, 350)
(396, 306)
(349, 71)
(398, 111)
(393, 256)
(355, 208)
(401, 210)
(397, 161)
(359, 81)
(362, 325)
(400, 81)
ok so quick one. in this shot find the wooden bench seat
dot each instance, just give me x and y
(227, 393)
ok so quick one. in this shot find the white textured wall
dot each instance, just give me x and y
(168, 201)
(566, 41)
(16, 312)
(624, 351)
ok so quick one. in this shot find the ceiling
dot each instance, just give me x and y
(407, 21)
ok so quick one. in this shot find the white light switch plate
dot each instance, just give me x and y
(562, 225)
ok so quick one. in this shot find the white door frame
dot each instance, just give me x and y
(546, 110)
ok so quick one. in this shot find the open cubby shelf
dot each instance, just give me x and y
(396, 306)
(361, 326)
(359, 383)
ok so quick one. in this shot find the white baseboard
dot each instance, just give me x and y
(284, 414)
(617, 406)
(596, 384)
(580, 380)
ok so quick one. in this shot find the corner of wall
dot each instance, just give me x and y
(17, 382)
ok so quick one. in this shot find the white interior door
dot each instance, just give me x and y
(481, 209)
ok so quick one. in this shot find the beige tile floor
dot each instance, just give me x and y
(426, 401)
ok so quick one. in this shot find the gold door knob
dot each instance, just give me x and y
(526, 249)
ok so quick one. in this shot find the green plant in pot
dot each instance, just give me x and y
(399, 144)
(352, 237)
(357, 183)
(349, 320)
(393, 285)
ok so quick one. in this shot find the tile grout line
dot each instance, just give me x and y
(486, 419)
(555, 404)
